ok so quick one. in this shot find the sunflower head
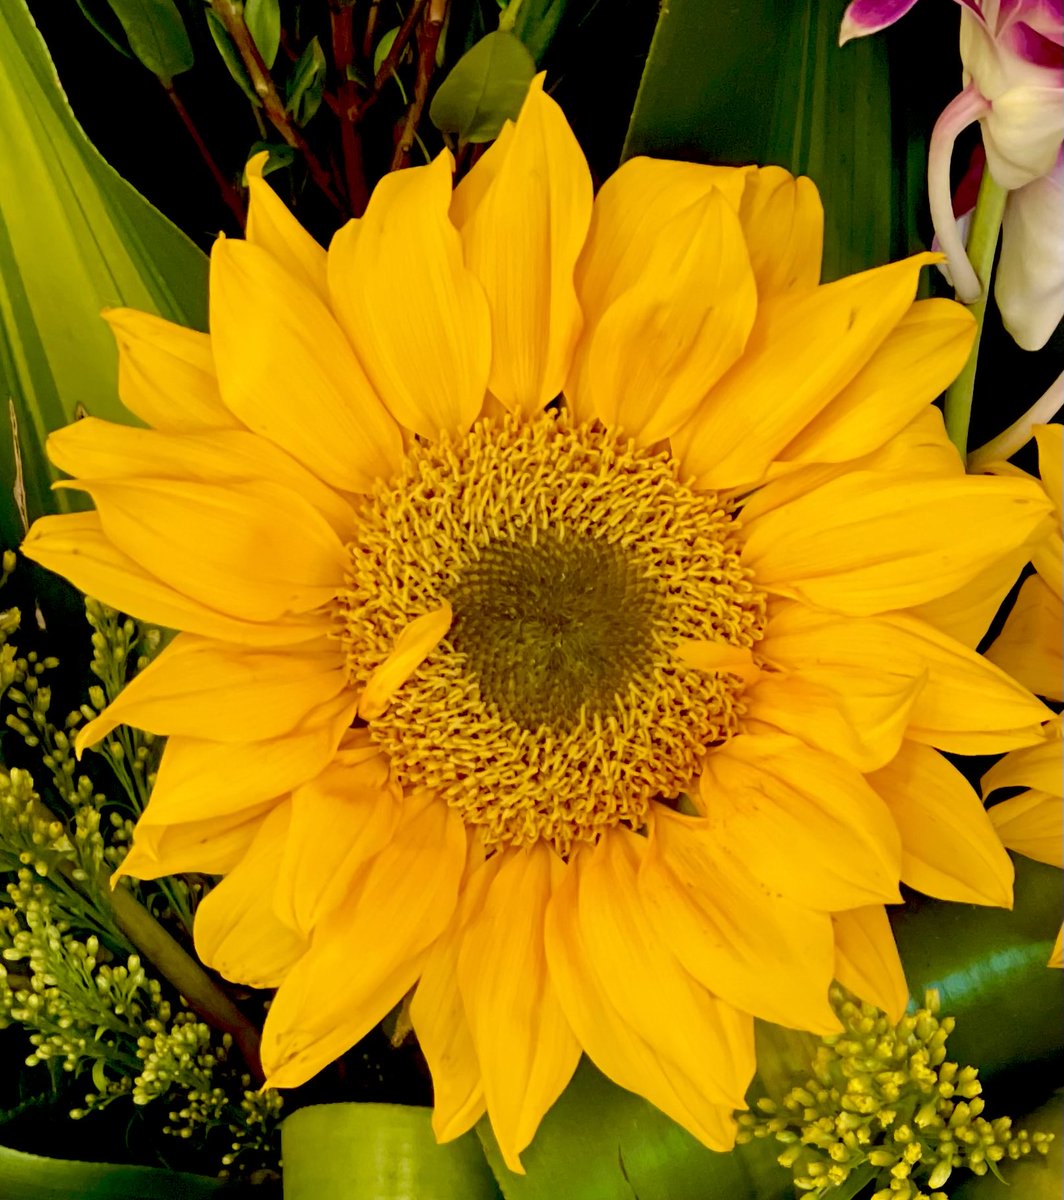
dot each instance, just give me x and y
(571, 606)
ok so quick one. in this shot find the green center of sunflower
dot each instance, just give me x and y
(575, 564)
(553, 626)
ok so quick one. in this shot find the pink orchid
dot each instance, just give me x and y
(1013, 76)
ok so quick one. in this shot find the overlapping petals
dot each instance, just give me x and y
(682, 307)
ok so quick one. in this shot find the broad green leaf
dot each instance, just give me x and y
(74, 238)
(231, 56)
(383, 48)
(599, 1142)
(157, 36)
(535, 23)
(30, 1177)
(306, 86)
(766, 82)
(378, 1152)
(485, 88)
(1035, 1177)
(989, 967)
(263, 19)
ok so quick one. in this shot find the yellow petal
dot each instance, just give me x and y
(203, 689)
(1050, 439)
(439, 1019)
(870, 541)
(94, 449)
(74, 546)
(948, 845)
(783, 221)
(1032, 824)
(287, 372)
(705, 655)
(212, 846)
(166, 373)
(1030, 647)
(201, 778)
(736, 936)
(400, 903)
(235, 930)
(1036, 767)
(521, 241)
(966, 613)
(803, 349)
(800, 821)
(273, 228)
(414, 313)
(340, 820)
(416, 642)
(631, 1055)
(524, 1045)
(866, 959)
(1056, 958)
(920, 357)
(474, 186)
(253, 550)
(650, 357)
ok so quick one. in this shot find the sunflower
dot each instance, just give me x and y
(573, 594)
(1029, 649)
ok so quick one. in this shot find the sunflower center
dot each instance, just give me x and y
(575, 564)
(553, 627)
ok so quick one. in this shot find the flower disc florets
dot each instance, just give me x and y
(575, 564)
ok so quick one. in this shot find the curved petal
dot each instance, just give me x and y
(800, 821)
(95, 449)
(1030, 647)
(413, 645)
(287, 372)
(615, 978)
(199, 778)
(1033, 823)
(1022, 134)
(526, 1050)
(647, 360)
(736, 936)
(439, 1019)
(273, 228)
(870, 16)
(253, 550)
(235, 930)
(866, 959)
(203, 689)
(1029, 282)
(966, 613)
(522, 238)
(414, 313)
(948, 845)
(212, 846)
(871, 541)
(166, 373)
(340, 820)
(399, 904)
(783, 221)
(1037, 767)
(920, 357)
(804, 348)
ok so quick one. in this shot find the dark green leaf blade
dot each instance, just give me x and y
(157, 36)
(485, 88)
(263, 19)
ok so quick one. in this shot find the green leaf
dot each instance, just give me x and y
(766, 82)
(157, 36)
(74, 238)
(101, 28)
(378, 1152)
(536, 23)
(231, 57)
(599, 1142)
(306, 86)
(485, 88)
(383, 47)
(281, 156)
(30, 1177)
(263, 19)
(989, 967)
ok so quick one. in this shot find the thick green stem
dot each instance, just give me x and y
(982, 245)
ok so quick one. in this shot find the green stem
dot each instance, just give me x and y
(982, 246)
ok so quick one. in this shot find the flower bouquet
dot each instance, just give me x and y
(530, 632)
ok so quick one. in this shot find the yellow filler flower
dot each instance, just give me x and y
(1029, 648)
(609, 723)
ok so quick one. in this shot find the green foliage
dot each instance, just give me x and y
(484, 89)
(306, 84)
(157, 36)
(263, 19)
